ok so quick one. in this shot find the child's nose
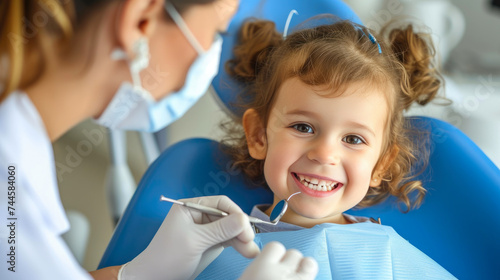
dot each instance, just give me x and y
(324, 153)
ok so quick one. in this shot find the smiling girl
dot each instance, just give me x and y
(325, 117)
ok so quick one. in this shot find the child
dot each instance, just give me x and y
(325, 118)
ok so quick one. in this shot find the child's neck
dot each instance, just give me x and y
(293, 218)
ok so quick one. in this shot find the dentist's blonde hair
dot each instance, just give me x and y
(24, 42)
(19, 48)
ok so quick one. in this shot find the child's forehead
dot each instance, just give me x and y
(295, 88)
(354, 102)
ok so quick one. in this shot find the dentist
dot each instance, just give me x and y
(128, 64)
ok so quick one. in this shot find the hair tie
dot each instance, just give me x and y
(370, 36)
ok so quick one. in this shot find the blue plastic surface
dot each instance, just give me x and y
(226, 88)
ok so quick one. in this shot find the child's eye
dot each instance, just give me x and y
(303, 128)
(353, 140)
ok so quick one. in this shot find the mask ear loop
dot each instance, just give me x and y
(138, 63)
(370, 37)
(183, 27)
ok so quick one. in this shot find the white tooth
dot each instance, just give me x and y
(329, 188)
(306, 183)
(301, 177)
(322, 183)
(314, 187)
(323, 188)
(314, 181)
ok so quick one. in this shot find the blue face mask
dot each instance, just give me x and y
(134, 108)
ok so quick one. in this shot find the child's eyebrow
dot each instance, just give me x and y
(303, 113)
(361, 126)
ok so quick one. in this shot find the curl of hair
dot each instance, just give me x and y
(415, 52)
(407, 148)
(257, 40)
(335, 56)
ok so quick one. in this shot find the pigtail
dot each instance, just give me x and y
(406, 154)
(257, 40)
(421, 80)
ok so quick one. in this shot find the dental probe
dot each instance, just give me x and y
(211, 211)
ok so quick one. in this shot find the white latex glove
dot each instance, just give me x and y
(176, 249)
(276, 263)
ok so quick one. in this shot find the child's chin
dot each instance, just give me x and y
(315, 215)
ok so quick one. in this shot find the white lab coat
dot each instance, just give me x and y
(40, 252)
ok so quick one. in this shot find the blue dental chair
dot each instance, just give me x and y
(456, 225)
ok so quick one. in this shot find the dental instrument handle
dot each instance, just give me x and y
(210, 210)
(205, 209)
(219, 213)
(163, 198)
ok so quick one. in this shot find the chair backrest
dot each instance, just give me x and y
(456, 225)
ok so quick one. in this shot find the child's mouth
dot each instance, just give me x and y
(316, 184)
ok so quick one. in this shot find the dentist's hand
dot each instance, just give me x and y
(276, 263)
(177, 247)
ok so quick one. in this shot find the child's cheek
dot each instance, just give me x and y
(276, 167)
(359, 174)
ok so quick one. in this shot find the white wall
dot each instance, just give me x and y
(479, 49)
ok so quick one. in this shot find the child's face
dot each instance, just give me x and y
(324, 147)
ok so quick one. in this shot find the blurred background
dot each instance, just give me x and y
(468, 48)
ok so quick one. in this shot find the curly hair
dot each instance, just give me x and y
(337, 55)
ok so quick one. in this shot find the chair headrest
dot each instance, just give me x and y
(226, 88)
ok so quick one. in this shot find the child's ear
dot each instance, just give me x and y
(380, 172)
(255, 133)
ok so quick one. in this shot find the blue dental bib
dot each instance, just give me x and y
(354, 251)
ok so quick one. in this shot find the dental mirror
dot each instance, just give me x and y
(280, 209)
